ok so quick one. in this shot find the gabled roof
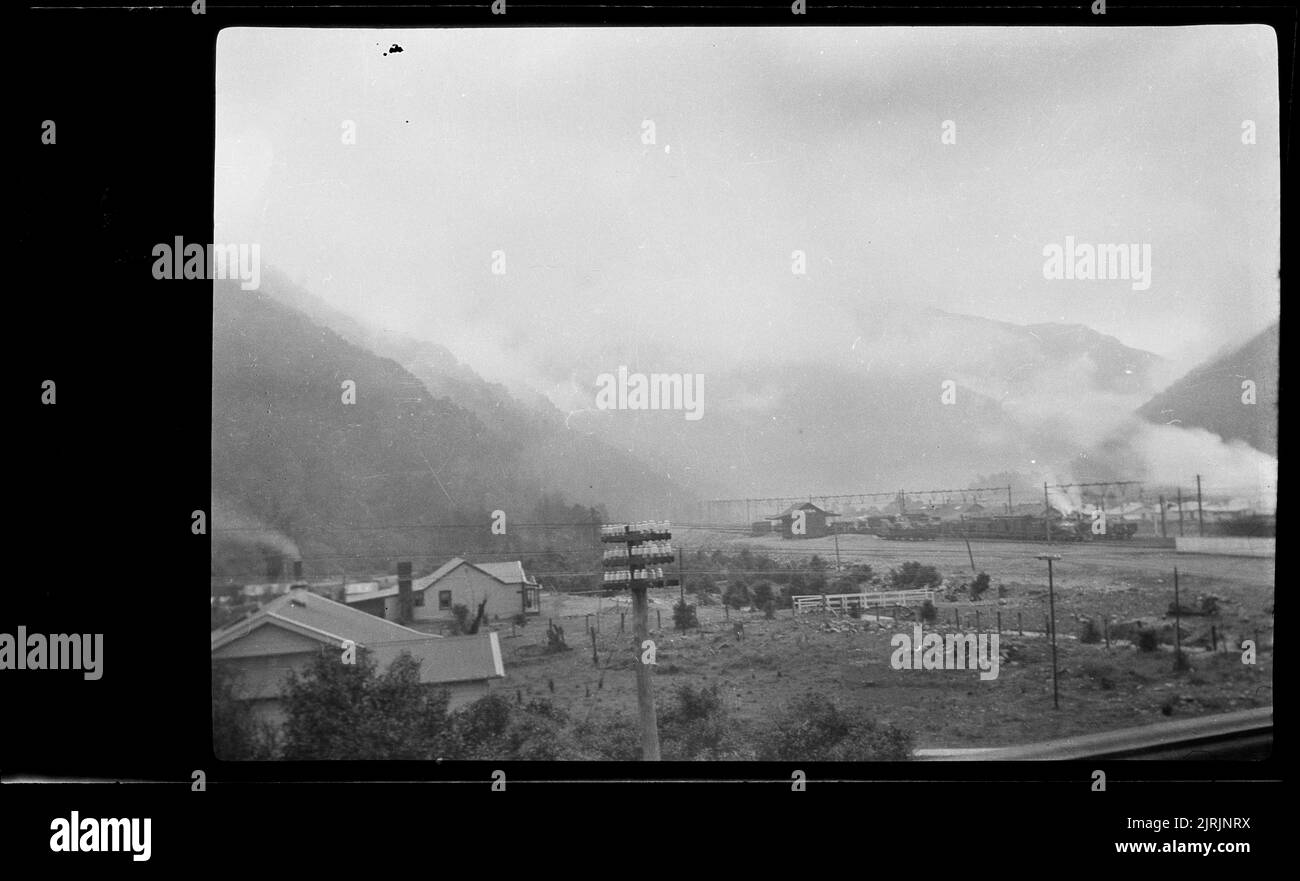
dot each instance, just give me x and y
(323, 619)
(800, 506)
(507, 573)
(510, 573)
(443, 659)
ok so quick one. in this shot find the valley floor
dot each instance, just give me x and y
(848, 659)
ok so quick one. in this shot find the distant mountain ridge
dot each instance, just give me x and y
(1211, 396)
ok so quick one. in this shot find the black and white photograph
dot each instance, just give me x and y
(741, 394)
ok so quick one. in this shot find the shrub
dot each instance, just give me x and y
(788, 593)
(684, 616)
(912, 575)
(352, 711)
(696, 725)
(1089, 632)
(844, 585)
(737, 595)
(928, 611)
(519, 620)
(460, 612)
(979, 586)
(815, 728)
(235, 734)
(616, 739)
(1148, 640)
(492, 728)
(761, 593)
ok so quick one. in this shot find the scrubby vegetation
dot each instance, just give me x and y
(356, 711)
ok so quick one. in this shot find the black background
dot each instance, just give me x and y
(103, 485)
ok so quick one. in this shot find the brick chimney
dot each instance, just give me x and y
(405, 600)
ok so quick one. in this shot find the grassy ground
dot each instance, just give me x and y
(777, 660)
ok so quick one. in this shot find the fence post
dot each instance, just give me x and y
(595, 661)
(1214, 639)
(622, 620)
(1020, 623)
(1105, 629)
(999, 622)
(659, 619)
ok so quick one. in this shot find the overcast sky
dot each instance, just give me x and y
(767, 141)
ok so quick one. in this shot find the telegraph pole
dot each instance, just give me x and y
(1047, 515)
(643, 547)
(1008, 498)
(1200, 512)
(1051, 606)
(1178, 625)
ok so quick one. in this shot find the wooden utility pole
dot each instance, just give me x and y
(629, 538)
(1008, 498)
(1200, 512)
(1051, 605)
(1163, 533)
(1178, 627)
(1047, 516)
(1180, 510)
(645, 696)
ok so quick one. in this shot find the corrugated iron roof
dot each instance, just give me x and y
(332, 621)
(443, 659)
(449, 659)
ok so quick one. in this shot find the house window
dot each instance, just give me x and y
(444, 600)
(419, 599)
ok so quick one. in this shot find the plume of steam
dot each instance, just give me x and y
(231, 524)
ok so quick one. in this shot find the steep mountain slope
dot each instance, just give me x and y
(543, 439)
(1211, 396)
(297, 471)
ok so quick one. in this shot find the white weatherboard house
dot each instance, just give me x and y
(289, 632)
(505, 586)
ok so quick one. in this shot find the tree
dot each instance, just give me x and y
(235, 735)
(352, 711)
(737, 595)
(684, 616)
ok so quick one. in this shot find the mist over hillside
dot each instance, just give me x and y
(1212, 396)
(297, 470)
